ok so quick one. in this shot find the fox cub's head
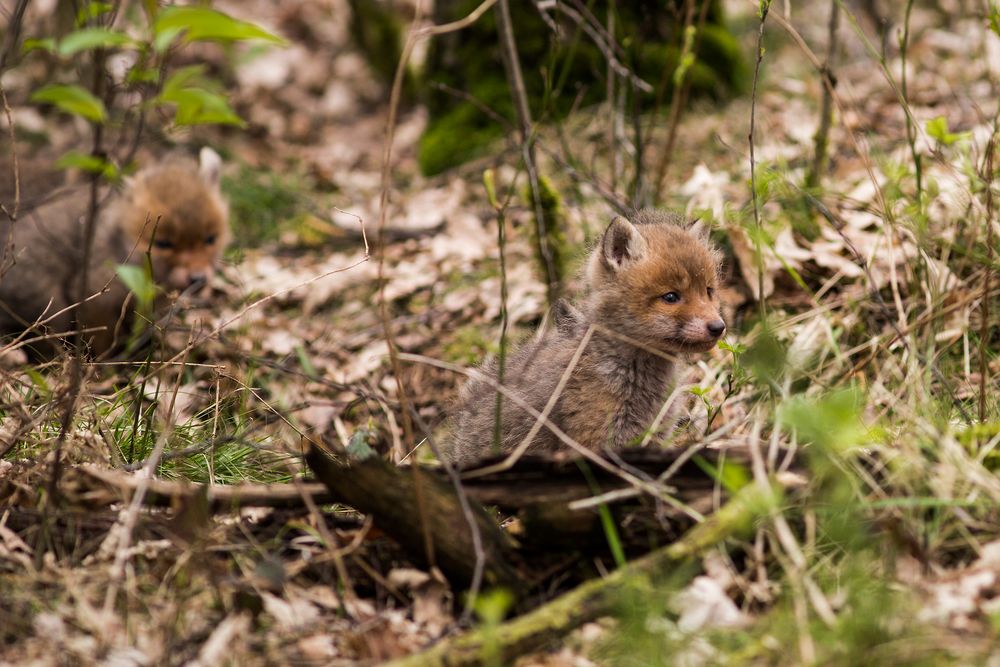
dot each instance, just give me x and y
(177, 212)
(654, 280)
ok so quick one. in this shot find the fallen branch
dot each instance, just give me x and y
(388, 494)
(163, 493)
(596, 598)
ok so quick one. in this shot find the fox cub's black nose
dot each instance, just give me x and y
(716, 327)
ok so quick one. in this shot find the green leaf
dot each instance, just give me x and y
(165, 38)
(832, 422)
(687, 56)
(38, 380)
(735, 348)
(305, 362)
(196, 106)
(766, 358)
(731, 475)
(140, 282)
(186, 77)
(143, 75)
(89, 163)
(47, 44)
(91, 38)
(72, 99)
(489, 181)
(492, 606)
(92, 10)
(204, 24)
(197, 99)
(937, 128)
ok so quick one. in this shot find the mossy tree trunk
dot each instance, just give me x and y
(467, 93)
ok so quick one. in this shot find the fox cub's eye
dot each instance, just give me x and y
(711, 292)
(210, 239)
(163, 244)
(671, 297)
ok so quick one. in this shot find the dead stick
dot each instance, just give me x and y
(164, 493)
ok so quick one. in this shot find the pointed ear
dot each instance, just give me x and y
(622, 244)
(699, 229)
(566, 316)
(210, 166)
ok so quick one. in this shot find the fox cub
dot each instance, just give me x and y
(173, 211)
(651, 280)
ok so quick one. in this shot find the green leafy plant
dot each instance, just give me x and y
(151, 37)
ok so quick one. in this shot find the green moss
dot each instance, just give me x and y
(469, 346)
(554, 225)
(261, 203)
(378, 31)
(559, 71)
(456, 137)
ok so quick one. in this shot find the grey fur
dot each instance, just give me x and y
(616, 389)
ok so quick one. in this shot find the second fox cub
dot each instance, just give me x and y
(173, 211)
(650, 296)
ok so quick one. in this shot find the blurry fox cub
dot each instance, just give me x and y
(650, 295)
(174, 211)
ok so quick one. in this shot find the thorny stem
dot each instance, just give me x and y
(765, 6)
(512, 65)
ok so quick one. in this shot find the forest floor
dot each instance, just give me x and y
(870, 367)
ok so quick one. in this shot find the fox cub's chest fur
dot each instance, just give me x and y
(650, 296)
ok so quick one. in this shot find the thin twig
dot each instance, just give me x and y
(764, 8)
(984, 325)
(678, 98)
(821, 141)
(512, 66)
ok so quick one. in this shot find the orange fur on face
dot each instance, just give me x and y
(173, 210)
(656, 283)
(181, 220)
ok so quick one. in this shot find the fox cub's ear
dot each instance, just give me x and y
(210, 166)
(567, 317)
(699, 229)
(622, 244)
